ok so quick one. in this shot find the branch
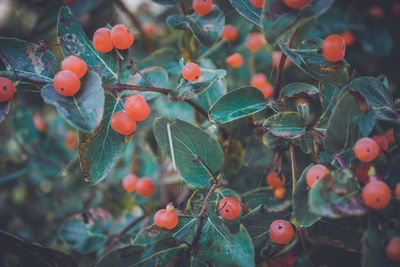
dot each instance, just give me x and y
(98, 224)
(121, 87)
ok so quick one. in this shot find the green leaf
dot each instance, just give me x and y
(4, 109)
(26, 60)
(207, 29)
(156, 75)
(288, 125)
(188, 142)
(100, 151)
(297, 89)
(237, 104)
(278, 19)
(166, 58)
(84, 110)
(248, 11)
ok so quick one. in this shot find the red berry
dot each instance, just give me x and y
(280, 193)
(376, 12)
(137, 108)
(281, 232)
(122, 123)
(71, 140)
(376, 195)
(276, 60)
(102, 40)
(202, 7)
(69, 2)
(235, 60)
(397, 191)
(274, 181)
(390, 136)
(296, 4)
(362, 172)
(314, 173)
(191, 72)
(267, 90)
(255, 41)
(7, 89)
(366, 149)
(74, 64)
(39, 123)
(129, 182)
(348, 37)
(333, 48)
(122, 37)
(393, 249)
(149, 29)
(257, 3)
(230, 33)
(258, 80)
(229, 208)
(382, 142)
(145, 187)
(166, 218)
(66, 83)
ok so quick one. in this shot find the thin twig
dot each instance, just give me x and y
(141, 74)
(293, 166)
(98, 224)
(138, 88)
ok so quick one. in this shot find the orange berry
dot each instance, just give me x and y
(376, 12)
(202, 7)
(122, 123)
(267, 90)
(74, 64)
(122, 37)
(366, 149)
(254, 41)
(69, 2)
(102, 40)
(235, 60)
(229, 208)
(314, 173)
(281, 232)
(191, 72)
(334, 48)
(166, 218)
(71, 140)
(137, 108)
(258, 80)
(230, 33)
(145, 187)
(348, 37)
(66, 83)
(257, 3)
(129, 182)
(376, 195)
(301, 100)
(276, 60)
(7, 89)
(397, 191)
(296, 4)
(39, 123)
(362, 172)
(149, 29)
(390, 136)
(274, 181)
(280, 193)
(393, 249)
(382, 142)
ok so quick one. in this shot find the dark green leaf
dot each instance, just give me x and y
(288, 125)
(247, 10)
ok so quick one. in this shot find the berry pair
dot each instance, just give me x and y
(136, 109)
(277, 183)
(202, 7)
(144, 186)
(67, 81)
(7, 89)
(166, 218)
(259, 80)
(120, 37)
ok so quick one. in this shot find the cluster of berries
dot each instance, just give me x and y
(67, 81)
(144, 186)
(277, 183)
(120, 37)
(7, 89)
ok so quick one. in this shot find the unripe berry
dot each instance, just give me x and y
(202, 7)
(74, 64)
(274, 181)
(230, 33)
(390, 136)
(281, 232)
(314, 173)
(397, 191)
(137, 108)
(366, 149)
(122, 123)
(348, 37)
(258, 80)
(276, 60)
(129, 182)
(235, 60)
(66, 83)
(393, 249)
(229, 208)
(39, 123)
(71, 140)
(267, 90)
(191, 72)
(257, 3)
(382, 143)
(7, 89)
(296, 4)
(102, 40)
(376, 195)
(362, 172)
(254, 41)
(122, 37)
(280, 193)
(166, 218)
(334, 48)
(145, 187)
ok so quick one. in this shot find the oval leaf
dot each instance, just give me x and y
(288, 125)
(248, 11)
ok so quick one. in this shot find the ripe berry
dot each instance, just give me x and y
(102, 40)
(137, 108)
(74, 64)
(235, 60)
(333, 48)
(281, 232)
(366, 149)
(129, 182)
(257, 3)
(382, 142)
(389, 136)
(296, 4)
(258, 80)
(362, 172)
(122, 123)
(202, 7)
(301, 100)
(276, 60)
(376, 195)
(39, 123)
(145, 187)
(166, 218)
(280, 193)
(314, 173)
(255, 41)
(7, 89)
(267, 90)
(230, 33)
(393, 249)
(122, 37)
(348, 37)
(274, 181)
(191, 72)
(66, 83)
(229, 208)
(397, 191)
(376, 12)
(149, 29)
(71, 140)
